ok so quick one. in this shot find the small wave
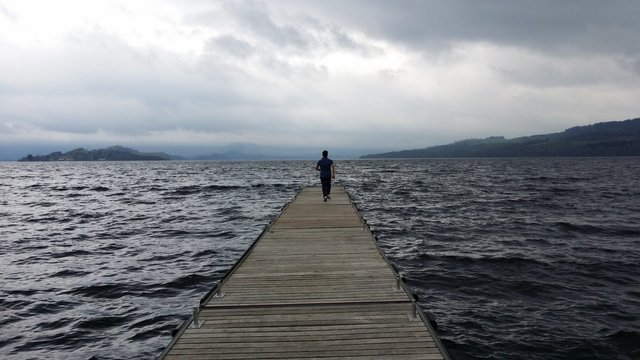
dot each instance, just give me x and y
(112, 247)
(538, 178)
(50, 307)
(196, 189)
(186, 282)
(154, 332)
(161, 292)
(35, 186)
(401, 192)
(59, 341)
(106, 291)
(59, 188)
(558, 190)
(177, 218)
(221, 187)
(23, 292)
(102, 322)
(174, 233)
(205, 253)
(54, 325)
(133, 269)
(71, 253)
(75, 195)
(611, 230)
(186, 190)
(10, 318)
(164, 257)
(92, 215)
(575, 227)
(43, 204)
(70, 273)
(117, 194)
(13, 304)
(151, 321)
(539, 241)
(100, 189)
(42, 219)
(138, 201)
(484, 260)
(224, 234)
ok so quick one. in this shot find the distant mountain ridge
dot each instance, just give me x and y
(112, 153)
(229, 152)
(250, 151)
(613, 138)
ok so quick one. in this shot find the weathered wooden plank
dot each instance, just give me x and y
(324, 357)
(349, 308)
(305, 350)
(320, 329)
(309, 343)
(272, 334)
(301, 353)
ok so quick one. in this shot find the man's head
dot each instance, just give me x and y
(325, 153)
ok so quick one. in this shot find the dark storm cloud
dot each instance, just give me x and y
(256, 19)
(587, 26)
(302, 29)
(259, 20)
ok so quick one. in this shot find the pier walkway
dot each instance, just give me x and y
(313, 285)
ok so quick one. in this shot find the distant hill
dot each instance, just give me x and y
(614, 138)
(250, 151)
(113, 153)
(244, 151)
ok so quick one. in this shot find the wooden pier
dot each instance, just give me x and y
(313, 285)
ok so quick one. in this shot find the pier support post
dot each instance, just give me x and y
(196, 323)
(218, 293)
(397, 287)
(414, 315)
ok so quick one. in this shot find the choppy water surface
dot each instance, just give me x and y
(516, 258)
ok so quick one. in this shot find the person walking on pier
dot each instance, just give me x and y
(327, 172)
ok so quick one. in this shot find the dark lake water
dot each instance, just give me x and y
(515, 258)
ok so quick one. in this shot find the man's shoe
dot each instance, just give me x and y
(325, 198)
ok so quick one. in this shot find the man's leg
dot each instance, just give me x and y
(326, 183)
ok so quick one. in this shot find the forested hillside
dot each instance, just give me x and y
(615, 138)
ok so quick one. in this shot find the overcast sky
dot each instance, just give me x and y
(348, 73)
